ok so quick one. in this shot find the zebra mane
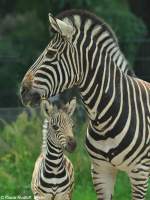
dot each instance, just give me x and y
(87, 15)
(96, 21)
(44, 137)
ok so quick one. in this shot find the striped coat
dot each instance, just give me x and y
(84, 52)
(53, 175)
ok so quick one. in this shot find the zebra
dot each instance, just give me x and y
(53, 175)
(85, 53)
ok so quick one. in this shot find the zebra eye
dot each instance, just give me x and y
(55, 127)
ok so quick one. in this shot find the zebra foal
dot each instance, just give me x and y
(53, 175)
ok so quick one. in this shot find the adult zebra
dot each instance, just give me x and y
(84, 52)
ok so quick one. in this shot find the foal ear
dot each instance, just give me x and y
(46, 108)
(60, 26)
(70, 107)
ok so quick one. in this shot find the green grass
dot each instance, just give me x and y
(20, 145)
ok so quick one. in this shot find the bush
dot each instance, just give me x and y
(17, 163)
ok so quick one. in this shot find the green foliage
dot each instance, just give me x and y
(23, 139)
(16, 164)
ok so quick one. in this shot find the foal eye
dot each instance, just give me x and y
(55, 127)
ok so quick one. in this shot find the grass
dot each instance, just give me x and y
(20, 145)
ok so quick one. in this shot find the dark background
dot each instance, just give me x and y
(24, 33)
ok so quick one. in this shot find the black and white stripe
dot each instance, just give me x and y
(53, 175)
(117, 103)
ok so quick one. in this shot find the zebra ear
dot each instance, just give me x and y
(60, 27)
(46, 108)
(70, 107)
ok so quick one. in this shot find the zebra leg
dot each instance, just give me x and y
(139, 183)
(104, 177)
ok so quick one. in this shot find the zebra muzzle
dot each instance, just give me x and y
(71, 144)
(29, 96)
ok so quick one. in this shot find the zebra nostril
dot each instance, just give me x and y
(71, 144)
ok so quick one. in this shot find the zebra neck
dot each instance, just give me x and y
(54, 158)
(92, 44)
(102, 82)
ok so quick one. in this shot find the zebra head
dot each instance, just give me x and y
(60, 124)
(50, 74)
